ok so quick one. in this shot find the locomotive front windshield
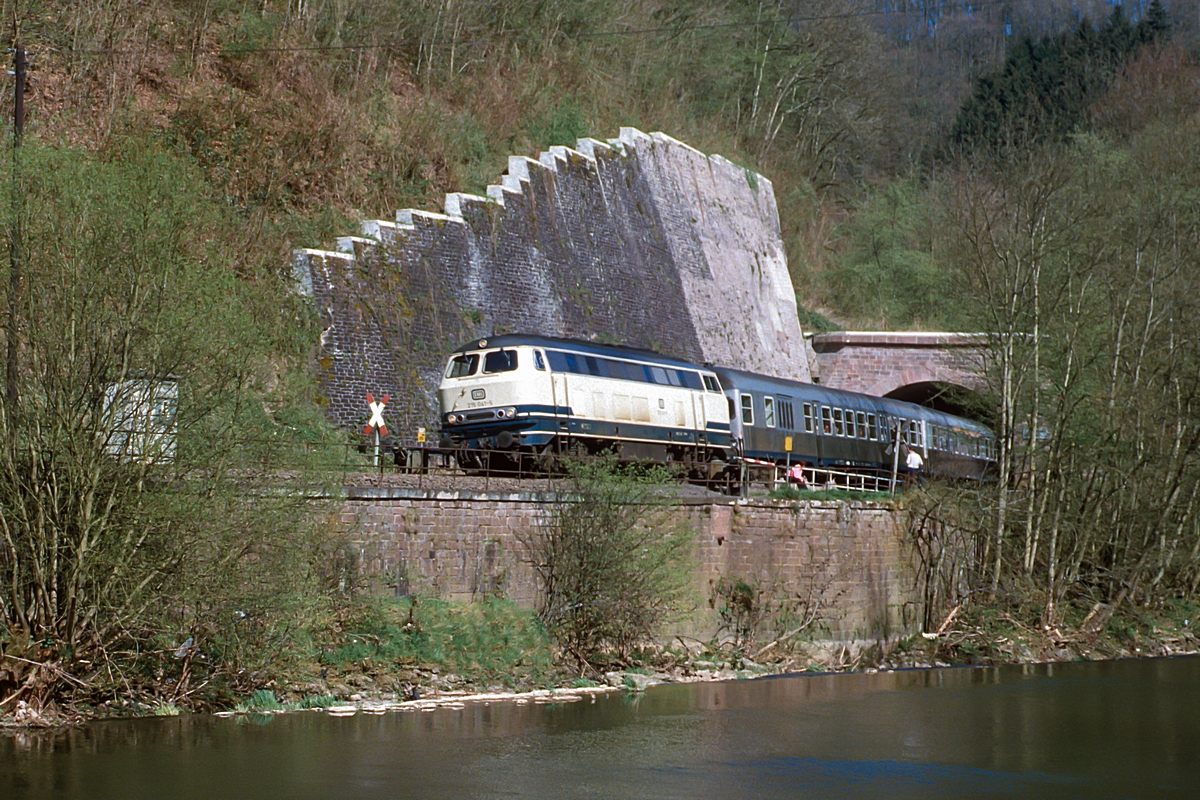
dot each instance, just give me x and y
(499, 361)
(463, 366)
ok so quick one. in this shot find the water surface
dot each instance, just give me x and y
(1103, 729)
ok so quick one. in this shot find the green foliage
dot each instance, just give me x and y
(888, 269)
(113, 539)
(1046, 89)
(563, 124)
(814, 321)
(612, 562)
(262, 700)
(490, 639)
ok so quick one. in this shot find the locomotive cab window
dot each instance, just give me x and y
(747, 409)
(539, 363)
(499, 361)
(462, 366)
(769, 412)
(710, 384)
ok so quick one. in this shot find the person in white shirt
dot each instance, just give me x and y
(913, 464)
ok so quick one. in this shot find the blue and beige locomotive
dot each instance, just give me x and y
(511, 401)
(516, 399)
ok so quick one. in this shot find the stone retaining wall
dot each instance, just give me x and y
(852, 559)
(641, 240)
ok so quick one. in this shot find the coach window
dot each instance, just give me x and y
(826, 421)
(862, 424)
(747, 409)
(464, 365)
(872, 427)
(851, 429)
(839, 427)
(539, 362)
(809, 422)
(769, 411)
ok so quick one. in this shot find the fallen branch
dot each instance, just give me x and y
(53, 668)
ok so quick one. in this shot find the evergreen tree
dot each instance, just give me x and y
(1045, 89)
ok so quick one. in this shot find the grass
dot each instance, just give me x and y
(260, 701)
(492, 639)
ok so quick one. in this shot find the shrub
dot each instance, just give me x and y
(612, 562)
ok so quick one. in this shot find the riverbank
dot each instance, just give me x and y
(411, 656)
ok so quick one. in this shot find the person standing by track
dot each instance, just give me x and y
(913, 465)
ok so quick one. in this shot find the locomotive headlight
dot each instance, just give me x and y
(452, 418)
(510, 412)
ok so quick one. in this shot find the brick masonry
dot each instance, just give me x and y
(641, 240)
(878, 363)
(854, 556)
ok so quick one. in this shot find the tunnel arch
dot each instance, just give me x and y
(941, 370)
(950, 398)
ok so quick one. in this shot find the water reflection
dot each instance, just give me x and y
(1102, 730)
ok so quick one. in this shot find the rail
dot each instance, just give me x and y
(428, 467)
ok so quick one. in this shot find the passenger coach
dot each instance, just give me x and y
(518, 395)
(781, 421)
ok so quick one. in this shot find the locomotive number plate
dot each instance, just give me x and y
(478, 394)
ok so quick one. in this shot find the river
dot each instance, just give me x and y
(1097, 729)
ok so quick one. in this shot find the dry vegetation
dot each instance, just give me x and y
(178, 151)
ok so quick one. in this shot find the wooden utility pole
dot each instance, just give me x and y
(14, 288)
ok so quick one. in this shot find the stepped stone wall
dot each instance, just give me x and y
(641, 240)
(852, 562)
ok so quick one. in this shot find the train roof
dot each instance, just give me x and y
(576, 346)
(752, 381)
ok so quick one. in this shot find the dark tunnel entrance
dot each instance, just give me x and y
(948, 398)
